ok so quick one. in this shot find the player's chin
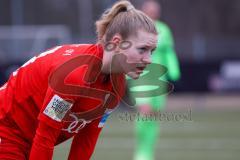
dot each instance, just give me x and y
(134, 75)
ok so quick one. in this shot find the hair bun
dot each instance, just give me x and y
(130, 7)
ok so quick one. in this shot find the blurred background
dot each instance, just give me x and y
(207, 42)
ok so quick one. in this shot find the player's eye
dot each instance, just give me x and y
(153, 50)
(142, 50)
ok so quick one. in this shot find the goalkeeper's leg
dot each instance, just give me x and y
(147, 132)
(146, 136)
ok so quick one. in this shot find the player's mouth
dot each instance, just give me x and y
(140, 69)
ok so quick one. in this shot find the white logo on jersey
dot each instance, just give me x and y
(57, 108)
(68, 52)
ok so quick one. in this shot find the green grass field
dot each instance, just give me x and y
(209, 136)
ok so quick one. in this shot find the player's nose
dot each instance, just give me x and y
(147, 60)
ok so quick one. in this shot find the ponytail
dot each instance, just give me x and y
(122, 18)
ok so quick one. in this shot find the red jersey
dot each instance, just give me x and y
(59, 94)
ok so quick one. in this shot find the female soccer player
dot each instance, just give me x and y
(69, 91)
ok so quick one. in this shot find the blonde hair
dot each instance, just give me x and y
(124, 19)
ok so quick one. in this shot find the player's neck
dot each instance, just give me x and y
(108, 66)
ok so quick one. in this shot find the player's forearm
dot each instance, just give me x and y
(84, 142)
(40, 152)
(43, 143)
(81, 148)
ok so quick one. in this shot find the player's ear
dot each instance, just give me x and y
(117, 38)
